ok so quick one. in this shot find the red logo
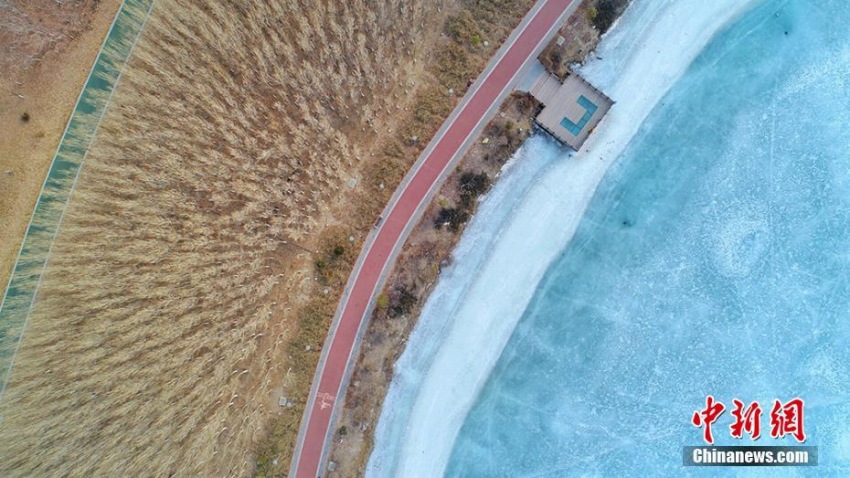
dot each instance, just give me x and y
(748, 420)
(707, 416)
(785, 419)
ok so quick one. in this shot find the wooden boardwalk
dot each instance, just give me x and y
(570, 109)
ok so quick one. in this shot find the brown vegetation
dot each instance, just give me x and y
(46, 49)
(159, 336)
(209, 238)
(580, 34)
(430, 106)
(426, 251)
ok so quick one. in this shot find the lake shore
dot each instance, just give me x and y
(429, 249)
(437, 378)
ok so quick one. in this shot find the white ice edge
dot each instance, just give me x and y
(521, 227)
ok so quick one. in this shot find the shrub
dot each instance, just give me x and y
(606, 13)
(463, 29)
(383, 301)
(403, 301)
(453, 217)
(472, 185)
(453, 67)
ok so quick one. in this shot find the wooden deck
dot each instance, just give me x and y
(571, 109)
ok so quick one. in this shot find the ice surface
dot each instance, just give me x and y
(506, 251)
(713, 259)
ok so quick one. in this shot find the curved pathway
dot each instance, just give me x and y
(479, 104)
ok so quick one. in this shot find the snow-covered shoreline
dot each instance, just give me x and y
(519, 231)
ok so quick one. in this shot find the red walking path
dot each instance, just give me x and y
(413, 195)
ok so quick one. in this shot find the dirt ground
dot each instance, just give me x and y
(46, 50)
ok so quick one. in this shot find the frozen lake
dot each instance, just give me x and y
(713, 258)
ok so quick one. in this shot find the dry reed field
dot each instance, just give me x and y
(46, 49)
(161, 336)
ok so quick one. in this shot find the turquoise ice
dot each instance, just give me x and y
(713, 259)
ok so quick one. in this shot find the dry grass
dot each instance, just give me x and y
(45, 54)
(161, 332)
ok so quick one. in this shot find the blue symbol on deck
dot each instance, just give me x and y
(575, 128)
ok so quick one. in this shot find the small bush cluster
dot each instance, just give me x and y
(334, 259)
(471, 185)
(606, 11)
(402, 301)
(463, 29)
(451, 217)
